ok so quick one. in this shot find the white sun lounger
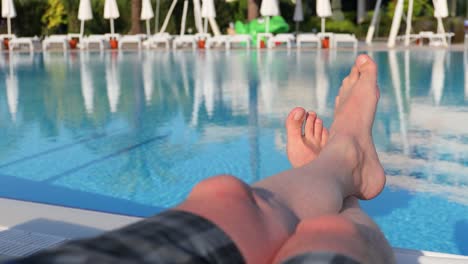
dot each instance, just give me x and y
(159, 38)
(261, 37)
(132, 39)
(216, 41)
(101, 40)
(200, 36)
(61, 40)
(466, 41)
(308, 38)
(412, 37)
(344, 39)
(436, 39)
(239, 39)
(281, 38)
(185, 40)
(17, 43)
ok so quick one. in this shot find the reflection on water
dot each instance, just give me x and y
(145, 127)
(218, 95)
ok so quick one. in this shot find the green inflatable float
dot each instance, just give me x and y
(277, 25)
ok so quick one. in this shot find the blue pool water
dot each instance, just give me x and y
(131, 133)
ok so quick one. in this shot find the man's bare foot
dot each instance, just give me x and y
(352, 126)
(302, 148)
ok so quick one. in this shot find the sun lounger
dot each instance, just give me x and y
(200, 36)
(414, 38)
(308, 38)
(17, 43)
(216, 41)
(132, 39)
(281, 38)
(238, 38)
(263, 37)
(8, 36)
(344, 39)
(156, 39)
(185, 40)
(466, 41)
(60, 40)
(436, 39)
(101, 40)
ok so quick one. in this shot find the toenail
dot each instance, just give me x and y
(361, 60)
(298, 115)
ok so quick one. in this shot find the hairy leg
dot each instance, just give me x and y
(348, 164)
(261, 218)
(351, 233)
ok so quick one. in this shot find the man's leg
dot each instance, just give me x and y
(260, 219)
(350, 233)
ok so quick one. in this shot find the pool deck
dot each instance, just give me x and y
(26, 227)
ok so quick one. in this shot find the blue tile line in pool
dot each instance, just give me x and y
(71, 198)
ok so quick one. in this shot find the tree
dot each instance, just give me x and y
(252, 9)
(55, 17)
(136, 9)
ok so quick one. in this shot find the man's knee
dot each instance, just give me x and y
(223, 186)
(330, 224)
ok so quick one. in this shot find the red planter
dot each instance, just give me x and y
(6, 43)
(326, 43)
(201, 44)
(73, 43)
(114, 44)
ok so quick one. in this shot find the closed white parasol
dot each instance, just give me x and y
(84, 13)
(267, 9)
(146, 14)
(323, 10)
(111, 12)
(8, 12)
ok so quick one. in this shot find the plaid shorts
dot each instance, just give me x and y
(170, 237)
(320, 258)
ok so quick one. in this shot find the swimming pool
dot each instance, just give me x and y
(131, 133)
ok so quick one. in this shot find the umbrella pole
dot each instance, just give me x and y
(112, 26)
(184, 18)
(168, 16)
(156, 18)
(408, 22)
(297, 28)
(9, 25)
(81, 30)
(148, 30)
(370, 32)
(323, 25)
(441, 30)
(267, 25)
(205, 26)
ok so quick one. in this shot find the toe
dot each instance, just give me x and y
(318, 130)
(294, 123)
(324, 138)
(367, 68)
(309, 128)
(353, 76)
(337, 101)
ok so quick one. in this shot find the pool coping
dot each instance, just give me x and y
(71, 223)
